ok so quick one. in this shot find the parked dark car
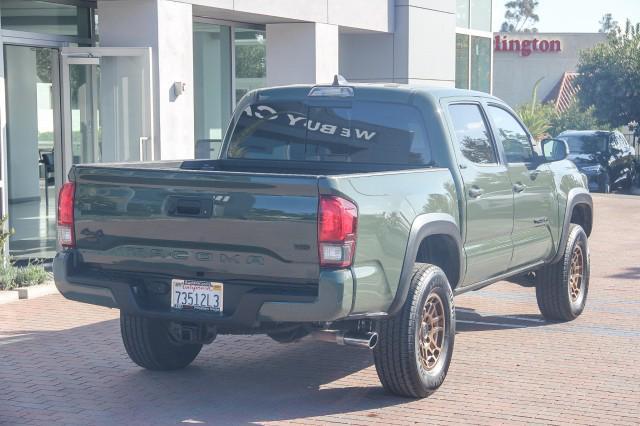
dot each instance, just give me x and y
(604, 156)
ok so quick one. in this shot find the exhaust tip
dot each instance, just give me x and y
(367, 340)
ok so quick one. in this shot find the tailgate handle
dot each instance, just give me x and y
(190, 207)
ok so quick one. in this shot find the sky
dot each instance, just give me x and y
(580, 16)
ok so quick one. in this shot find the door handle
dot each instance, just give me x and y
(475, 192)
(541, 221)
(519, 187)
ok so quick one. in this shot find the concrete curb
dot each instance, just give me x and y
(8, 296)
(46, 289)
(32, 292)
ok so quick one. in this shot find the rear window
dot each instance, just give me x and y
(358, 132)
(594, 143)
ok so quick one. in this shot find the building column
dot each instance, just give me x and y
(301, 53)
(421, 49)
(425, 42)
(167, 27)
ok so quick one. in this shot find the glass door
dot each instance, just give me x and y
(32, 125)
(107, 105)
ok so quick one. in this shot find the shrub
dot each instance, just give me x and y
(32, 274)
(576, 118)
(8, 274)
(12, 276)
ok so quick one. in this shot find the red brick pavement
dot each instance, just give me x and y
(63, 362)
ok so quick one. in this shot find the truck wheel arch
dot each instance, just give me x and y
(428, 231)
(582, 214)
(579, 211)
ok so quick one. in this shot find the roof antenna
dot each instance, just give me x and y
(339, 80)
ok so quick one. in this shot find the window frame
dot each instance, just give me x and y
(481, 107)
(624, 143)
(613, 143)
(494, 130)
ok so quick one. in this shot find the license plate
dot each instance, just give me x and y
(198, 295)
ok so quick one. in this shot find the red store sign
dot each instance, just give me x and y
(502, 43)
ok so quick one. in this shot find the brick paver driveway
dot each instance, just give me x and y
(63, 362)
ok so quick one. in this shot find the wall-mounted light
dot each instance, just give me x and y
(179, 88)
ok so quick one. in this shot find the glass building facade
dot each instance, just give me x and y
(474, 55)
(229, 61)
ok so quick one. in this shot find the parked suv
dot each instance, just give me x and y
(348, 213)
(605, 157)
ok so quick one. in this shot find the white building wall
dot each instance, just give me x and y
(362, 15)
(420, 51)
(4, 199)
(165, 26)
(175, 63)
(22, 96)
(302, 53)
(515, 75)
(367, 57)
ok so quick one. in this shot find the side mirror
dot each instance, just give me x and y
(555, 149)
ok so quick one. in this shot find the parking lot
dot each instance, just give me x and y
(62, 362)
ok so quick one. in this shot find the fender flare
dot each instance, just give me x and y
(575, 197)
(423, 226)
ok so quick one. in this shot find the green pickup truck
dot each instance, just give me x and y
(347, 213)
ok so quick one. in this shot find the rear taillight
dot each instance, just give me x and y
(337, 223)
(65, 215)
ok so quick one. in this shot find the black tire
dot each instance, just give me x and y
(397, 356)
(631, 178)
(553, 282)
(149, 344)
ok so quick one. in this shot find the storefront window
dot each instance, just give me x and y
(481, 64)
(251, 64)
(212, 86)
(45, 17)
(462, 13)
(481, 15)
(462, 61)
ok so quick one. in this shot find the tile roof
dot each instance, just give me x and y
(564, 92)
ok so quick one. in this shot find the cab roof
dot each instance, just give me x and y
(390, 91)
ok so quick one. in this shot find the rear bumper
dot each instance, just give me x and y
(334, 299)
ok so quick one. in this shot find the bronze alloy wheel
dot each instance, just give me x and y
(432, 332)
(576, 274)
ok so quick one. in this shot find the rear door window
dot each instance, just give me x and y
(358, 132)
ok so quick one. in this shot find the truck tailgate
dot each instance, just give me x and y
(215, 224)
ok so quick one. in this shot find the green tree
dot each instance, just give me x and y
(607, 24)
(520, 16)
(609, 77)
(575, 117)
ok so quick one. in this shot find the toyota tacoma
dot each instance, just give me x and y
(347, 213)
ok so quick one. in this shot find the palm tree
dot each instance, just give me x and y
(537, 116)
